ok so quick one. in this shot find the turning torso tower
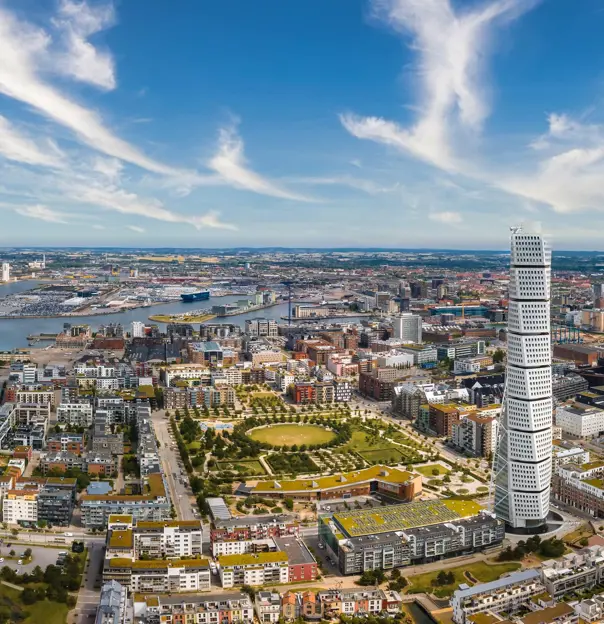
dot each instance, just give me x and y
(523, 460)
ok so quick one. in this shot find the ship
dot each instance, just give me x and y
(198, 296)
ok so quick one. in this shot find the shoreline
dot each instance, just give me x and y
(180, 318)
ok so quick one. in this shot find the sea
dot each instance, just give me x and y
(14, 332)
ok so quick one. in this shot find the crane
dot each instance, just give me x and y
(289, 283)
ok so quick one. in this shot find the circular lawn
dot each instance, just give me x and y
(288, 435)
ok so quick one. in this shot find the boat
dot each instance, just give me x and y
(198, 296)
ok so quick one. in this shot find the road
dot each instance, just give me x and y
(172, 467)
(90, 592)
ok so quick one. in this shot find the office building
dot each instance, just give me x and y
(138, 329)
(579, 420)
(408, 327)
(407, 534)
(523, 461)
(261, 328)
(5, 272)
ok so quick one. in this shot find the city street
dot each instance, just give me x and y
(89, 595)
(174, 473)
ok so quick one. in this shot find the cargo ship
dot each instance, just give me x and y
(198, 296)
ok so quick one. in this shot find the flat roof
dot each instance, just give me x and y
(548, 614)
(121, 539)
(405, 516)
(125, 562)
(381, 473)
(485, 588)
(253, 558)
(296, 551)
(160, 524)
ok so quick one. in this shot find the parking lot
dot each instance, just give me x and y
(40, 556)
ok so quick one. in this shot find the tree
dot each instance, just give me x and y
(5, 615)
(28, 596)
(27, 553)
(288, 503)
(498, 356)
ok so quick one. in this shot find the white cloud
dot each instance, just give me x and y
(211, 220)
(15, 146)
(43, 213)
(24, 52)
(110, 168)
(97, 226)
(230, 163)
(447, 217)
(79, 58)
(367, 186)
(136, 228)
(451, 48)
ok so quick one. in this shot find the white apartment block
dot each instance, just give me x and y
(284, 380)
(168, 540)
(20, 505)
(573, 572)
(575, 455)
(506, 594)
(408, 326)
(138, 329)
(177, 576)
(240, 547)
(94, 371)
(580, 421)
(523, 462)
(253, 569)
(76, 414)
(261, 327)
(342, 391)
(187, 371)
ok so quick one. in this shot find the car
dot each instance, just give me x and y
(68, 534)
(321, 546)
(63, 553)
(20, 562)
(1, 559)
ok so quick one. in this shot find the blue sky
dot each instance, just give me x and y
(398, 123)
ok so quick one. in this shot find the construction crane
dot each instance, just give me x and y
(289, 306)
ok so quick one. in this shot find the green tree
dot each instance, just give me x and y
(288, 503)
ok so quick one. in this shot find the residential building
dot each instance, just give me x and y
(470, 365)
(523, 461)
(138, 329)
(55, 506)
(20, 505)
(253, 569)
(253, 528)
(261, 327)
(458, 350)
(580, 420)
(168, 539)
(568, 386)
(66, 442)
(442, 417)
(342, 391)
(75, 414)
(5, 272)
(113, 605)
(268, 606)
(574, 572)
(502, 596)
(224, 608)
(475, 434)
(406, 400)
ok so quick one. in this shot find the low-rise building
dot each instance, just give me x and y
(574, 572)
(580, 420)
(268, 606)
(504, 595)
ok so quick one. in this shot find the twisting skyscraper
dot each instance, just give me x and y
(523, 459)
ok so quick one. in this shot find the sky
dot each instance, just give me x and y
(322, 123)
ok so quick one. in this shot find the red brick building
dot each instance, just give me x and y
(303, 393)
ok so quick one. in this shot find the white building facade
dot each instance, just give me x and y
(523, 461)
(408, 326)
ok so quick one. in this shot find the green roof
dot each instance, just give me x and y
(379, 473)
(405, 516)
(592, 465)
(253, 558)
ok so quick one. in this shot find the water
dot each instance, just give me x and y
(417, 613)
(14, 332)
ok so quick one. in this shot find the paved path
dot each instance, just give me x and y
(12, 586)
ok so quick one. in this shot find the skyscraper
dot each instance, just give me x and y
(523, 459)
(5, 272)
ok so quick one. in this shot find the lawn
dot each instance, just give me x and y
(250, 467)
(384, 456)
(43, 611)
(481, 571)
(426, 471)
(288, 435)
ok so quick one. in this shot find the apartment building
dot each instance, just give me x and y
(580, 486)
(253, 569)
(574, 572)
(20, 506)
(504, 595)
(66, 442)
(43, 397)
(168, 539)
(475, 434)
(406, 400)
(75, 414)
(261, 327)
(253, 528)
(342, 391)
(159, 576)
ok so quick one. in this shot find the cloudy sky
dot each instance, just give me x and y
(395, 123)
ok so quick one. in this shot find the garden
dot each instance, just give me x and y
(292, 434)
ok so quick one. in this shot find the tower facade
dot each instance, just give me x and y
(523, 459)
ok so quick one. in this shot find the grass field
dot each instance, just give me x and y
(164, 318)
(383, 456)
(426, 471)
(43, 611)
(242, 466)
(288, 435)
(481, 571)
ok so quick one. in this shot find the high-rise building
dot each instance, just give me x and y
(523, 460)
(5, 272)
(408, 326)
(138, 329)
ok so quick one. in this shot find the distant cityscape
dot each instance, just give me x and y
(386, 439)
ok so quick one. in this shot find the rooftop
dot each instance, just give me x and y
(121, 539)
(125, 562)
(405, 516)
(381, 473)
(297, 552)
(485, 588)
(253, 559)
(548, 614)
